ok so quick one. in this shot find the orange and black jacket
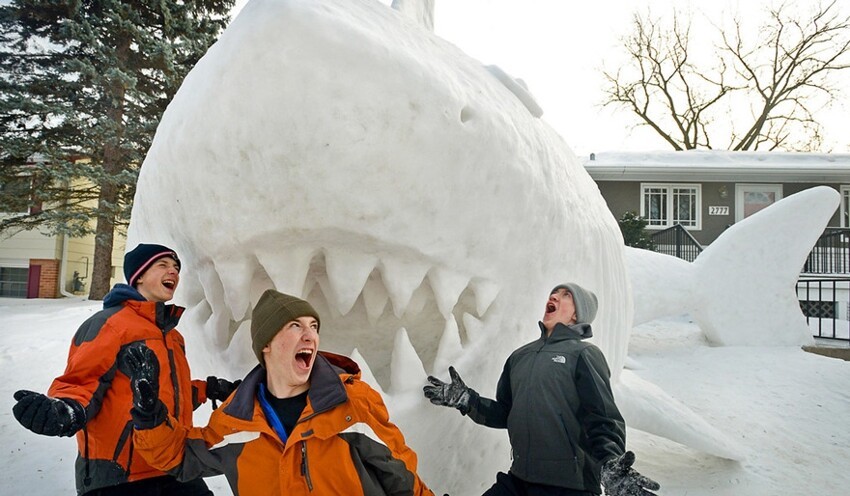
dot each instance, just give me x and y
(93, 378)
(343, 442)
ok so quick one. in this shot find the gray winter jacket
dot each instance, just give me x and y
(554, 397)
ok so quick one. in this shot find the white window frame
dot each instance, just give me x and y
(740, 189)
(668, 189)
(845, 205)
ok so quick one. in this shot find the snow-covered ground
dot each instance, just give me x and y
(788, 408)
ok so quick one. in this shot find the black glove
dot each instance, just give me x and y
(49, 416)
(455, 395)
(140, 363)
(620, 479)
(220, 389)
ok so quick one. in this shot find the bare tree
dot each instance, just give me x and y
(762, 93)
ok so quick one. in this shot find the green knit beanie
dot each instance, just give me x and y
(273, 311)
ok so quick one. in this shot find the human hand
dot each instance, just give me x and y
(620, 479)
(220, 389)
(48, 416)
(454, 394)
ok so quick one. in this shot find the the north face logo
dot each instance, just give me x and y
(559, 359)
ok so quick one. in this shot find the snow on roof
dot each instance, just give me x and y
(725, 166)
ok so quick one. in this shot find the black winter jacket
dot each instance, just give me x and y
(554, 397)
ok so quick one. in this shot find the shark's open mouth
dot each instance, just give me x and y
(364, 300)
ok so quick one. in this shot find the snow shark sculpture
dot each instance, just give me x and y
(336, 150)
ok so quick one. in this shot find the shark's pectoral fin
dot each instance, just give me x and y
(647, 408)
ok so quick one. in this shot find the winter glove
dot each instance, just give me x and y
(220, 389)
(620, 479)
(48, 416)
(140, 363)
(455, 395)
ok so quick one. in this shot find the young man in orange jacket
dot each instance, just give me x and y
(302, 422)
(92, 399)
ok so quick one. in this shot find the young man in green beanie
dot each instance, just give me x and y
(301, 422)
(554, 397)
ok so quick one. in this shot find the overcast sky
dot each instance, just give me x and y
(559, 48)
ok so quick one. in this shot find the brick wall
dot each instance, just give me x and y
(48, 284)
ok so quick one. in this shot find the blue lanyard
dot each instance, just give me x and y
(271, 416)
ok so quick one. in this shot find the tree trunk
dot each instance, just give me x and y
(103, 241)
(108, 199)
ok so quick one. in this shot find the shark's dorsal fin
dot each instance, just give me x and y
(421, 11)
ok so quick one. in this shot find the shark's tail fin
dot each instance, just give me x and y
(745, 281)
(741, 289)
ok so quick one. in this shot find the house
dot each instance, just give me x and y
(706, 191)
(36, 264)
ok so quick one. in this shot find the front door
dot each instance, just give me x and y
(750, 198)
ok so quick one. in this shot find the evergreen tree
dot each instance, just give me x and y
(83, 84)
(634, 232)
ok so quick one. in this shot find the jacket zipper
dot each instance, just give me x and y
(305, 469)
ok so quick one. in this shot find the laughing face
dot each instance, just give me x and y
(559, 308)
(290, 355)
(159, 282)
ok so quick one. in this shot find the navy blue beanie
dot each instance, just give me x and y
(140, 258)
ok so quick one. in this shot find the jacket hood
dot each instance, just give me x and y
(571, 331)
(121, 293)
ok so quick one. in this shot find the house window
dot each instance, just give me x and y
(665, 205)
(17, 194)
(845, 206)
(13, 282)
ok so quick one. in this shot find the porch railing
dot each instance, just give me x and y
(677, 241)
(831, 253)
(825, 302)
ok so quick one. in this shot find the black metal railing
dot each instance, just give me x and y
(831, 253)
(825, 301)
(677, 241)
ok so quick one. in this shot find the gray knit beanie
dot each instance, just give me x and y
(583, 299)
(273, 311)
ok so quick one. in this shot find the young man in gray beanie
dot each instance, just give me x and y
(554, 397)
(301, 423)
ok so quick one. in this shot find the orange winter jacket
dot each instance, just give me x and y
(343, 443)
(93, 378)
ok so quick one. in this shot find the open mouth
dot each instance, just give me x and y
(168, 283)
(380, 306)
(304, 358)
(550, 307)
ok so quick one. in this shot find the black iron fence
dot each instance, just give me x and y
(825, 301)
(831, 253)
(677, 241)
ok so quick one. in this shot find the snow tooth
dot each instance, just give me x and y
(474, 327)
(447, 288)
(485, 293)
(449, 348)
(213, 289)
(218, 326)
(375, 299)
(406, 369)
(366, 374)
(401, 279)
(236, 275)
(287, 268)
(347, 274)
(417, 302)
